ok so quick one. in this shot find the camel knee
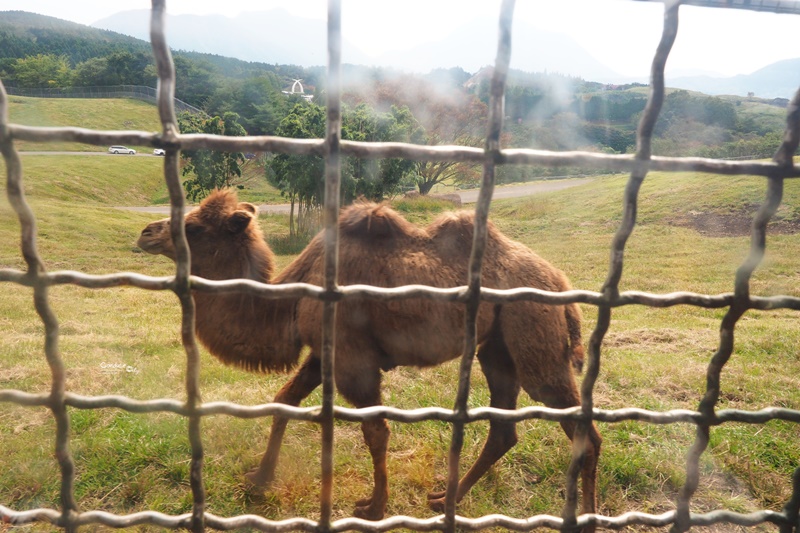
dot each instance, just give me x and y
(303, 383)
(595, 439)
(502, 437)
(376, 436)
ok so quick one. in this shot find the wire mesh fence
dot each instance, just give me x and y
(332, 148)
(139, 92)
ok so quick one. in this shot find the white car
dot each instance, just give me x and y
(121, 150)
(158, 151)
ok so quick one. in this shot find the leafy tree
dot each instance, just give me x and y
(42, 70)
(195, 81)
(447, 118)
(209, 170)
(371, 178)
(681, 106)
(300, 177)
(118, 68)
(258, 100)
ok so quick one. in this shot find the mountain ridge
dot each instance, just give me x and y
(275, 36)
(278, 38)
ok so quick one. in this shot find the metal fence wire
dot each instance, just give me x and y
(140, 92)
(332, 148)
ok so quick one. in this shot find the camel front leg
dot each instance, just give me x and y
(358, 379)
(303, 383)
(376, 435)
(588, 469)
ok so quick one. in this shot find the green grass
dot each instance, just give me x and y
(92, 113)
(134, 182)
(651, 358)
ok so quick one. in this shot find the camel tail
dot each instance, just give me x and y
(573, 315)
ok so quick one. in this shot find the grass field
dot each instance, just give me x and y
(94, 113)
(652, 358)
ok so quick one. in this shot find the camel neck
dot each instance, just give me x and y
(248, 331)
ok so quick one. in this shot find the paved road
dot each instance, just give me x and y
(137, 154)
(526, 189)
(467, 196)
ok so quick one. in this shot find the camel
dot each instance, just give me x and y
(521, 345)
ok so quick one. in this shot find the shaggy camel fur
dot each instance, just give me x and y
(524, 345)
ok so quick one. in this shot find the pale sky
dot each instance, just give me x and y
(622, 34)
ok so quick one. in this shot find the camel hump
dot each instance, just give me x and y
(368, 220)
(455, 229)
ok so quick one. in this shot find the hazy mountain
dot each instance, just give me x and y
(474, 46)
(276, 37)
(778, 80)
(273, 37)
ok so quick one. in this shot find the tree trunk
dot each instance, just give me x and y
(291, 218)
(425, 187)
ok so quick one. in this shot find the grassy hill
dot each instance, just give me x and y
(112, 180)
(691, 236)
(93, 113)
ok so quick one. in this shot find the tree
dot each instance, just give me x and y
(371, 178)
(42, 70)
(118, 68)
(195, 81)
(446, 117)
(300, 177)
(258, 100)
(461, 122)
(210, 170)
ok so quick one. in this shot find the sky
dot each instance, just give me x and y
(623, 34)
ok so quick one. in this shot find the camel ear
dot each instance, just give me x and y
(239, 221)
(247, 206)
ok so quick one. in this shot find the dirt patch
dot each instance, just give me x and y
(737, 224)
(660, 340)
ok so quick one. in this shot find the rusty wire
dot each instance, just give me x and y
(332, 148)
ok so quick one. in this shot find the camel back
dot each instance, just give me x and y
(371, 221)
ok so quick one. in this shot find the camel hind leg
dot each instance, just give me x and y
(358, 380)
(538, 340)
(504, 390)
(297, 389)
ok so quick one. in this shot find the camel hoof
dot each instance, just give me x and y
(258, 480)
(366, 511)
(436, 501)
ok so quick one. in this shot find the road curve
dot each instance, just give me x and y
(525, 189)
(137, 154)
(467, 196)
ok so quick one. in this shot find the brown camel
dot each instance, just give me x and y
(524, 345)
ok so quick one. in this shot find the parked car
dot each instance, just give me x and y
(158, 151)
(121, 150)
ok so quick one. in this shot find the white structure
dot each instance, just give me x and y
(297, 88)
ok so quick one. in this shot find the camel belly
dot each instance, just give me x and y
(420, 345)
(416, 332)
(413, 332)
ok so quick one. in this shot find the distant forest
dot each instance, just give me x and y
(445, 106)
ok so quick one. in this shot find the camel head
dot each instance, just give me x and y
(223, 236)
